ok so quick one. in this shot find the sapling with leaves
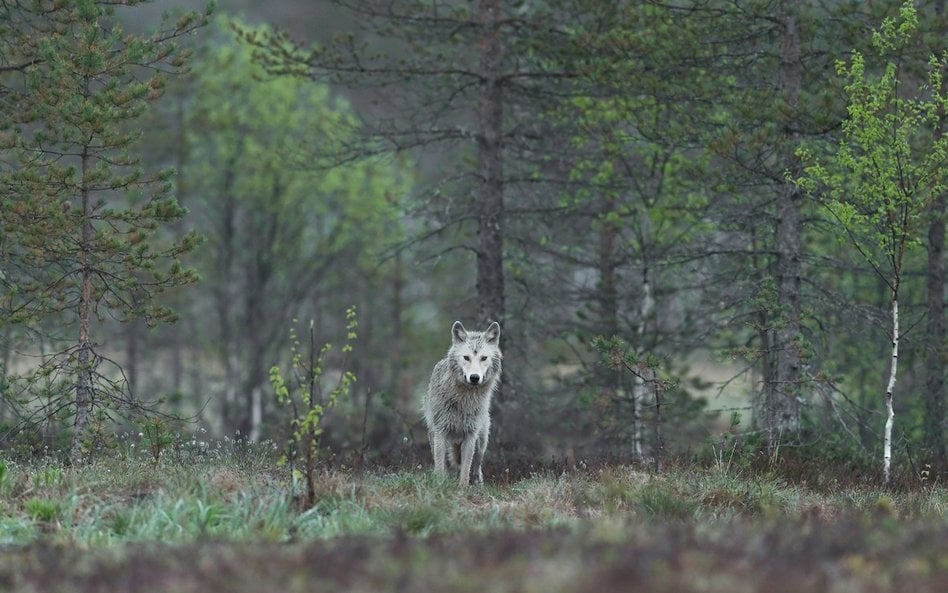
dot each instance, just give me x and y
(308, 396)
(889, 166)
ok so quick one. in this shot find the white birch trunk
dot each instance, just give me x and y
(639, 388)
(890, 414)
(256, 415)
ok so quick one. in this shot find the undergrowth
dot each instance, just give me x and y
(244, 495)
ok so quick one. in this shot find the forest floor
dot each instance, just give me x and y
(232, 523)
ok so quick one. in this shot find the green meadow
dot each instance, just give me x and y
(232, 521)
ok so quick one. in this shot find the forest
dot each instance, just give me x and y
(234, 237)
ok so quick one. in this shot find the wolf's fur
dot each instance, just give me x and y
(457, 402)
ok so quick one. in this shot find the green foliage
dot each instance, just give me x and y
(40, 509)
(890, 165)
(309, 395)
(157, 436)
(267, 149)
(891, 162)
(72, 134)
(289, 228)
(85, 229)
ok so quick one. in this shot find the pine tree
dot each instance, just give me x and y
(459, 80)
(83, 223)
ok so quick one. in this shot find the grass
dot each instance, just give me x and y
(546, 531)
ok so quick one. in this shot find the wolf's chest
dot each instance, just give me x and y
(463, 416)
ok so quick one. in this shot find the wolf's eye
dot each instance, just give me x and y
(483, 358)
(467, 358)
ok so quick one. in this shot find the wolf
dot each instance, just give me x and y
(457, 402)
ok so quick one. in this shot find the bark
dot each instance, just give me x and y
(783, 409)
(256, 342)
(84, 345)
(225, 295)
(607, 309)
(489, 208)
(890, 388)
(640, 387)
(400, 380)
(5, 367)
(765, 336)
(132, 352)
(934, 420)
(490, 201)
(178, 339)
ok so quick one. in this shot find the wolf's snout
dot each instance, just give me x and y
(475, 379)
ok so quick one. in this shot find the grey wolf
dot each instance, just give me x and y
(457, 403)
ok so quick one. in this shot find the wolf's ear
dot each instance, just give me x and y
(493, 333)
(458, 333)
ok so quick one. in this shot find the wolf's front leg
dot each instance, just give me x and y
(478, 461)
(467, 456)
(438, 451)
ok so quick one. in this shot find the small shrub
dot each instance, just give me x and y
(157, 436)
(47, 478)
(306, 395)
(40, 509)
(659, 502)
(417, 520)
(120, 523)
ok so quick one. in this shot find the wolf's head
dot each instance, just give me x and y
(476, 355)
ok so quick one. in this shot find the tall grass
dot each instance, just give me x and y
(245, 496)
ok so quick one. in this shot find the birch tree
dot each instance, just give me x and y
(282, 223)
(888, 168)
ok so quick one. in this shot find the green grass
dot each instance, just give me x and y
(118, 500)
(231, 522)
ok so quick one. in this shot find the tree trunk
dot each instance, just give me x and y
(640, 386)
(178, 333)
(226, 294)
(84, 347)
(934, 420)
(5, 367)
(765, 336)
(606, 299)
(490, 201)
(399, 380)
(783, 409)
(257, 339)
(489, 208)
(934, 423)
(890, 388)
(133, 339)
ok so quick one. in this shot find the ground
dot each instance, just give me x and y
(208, 522)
